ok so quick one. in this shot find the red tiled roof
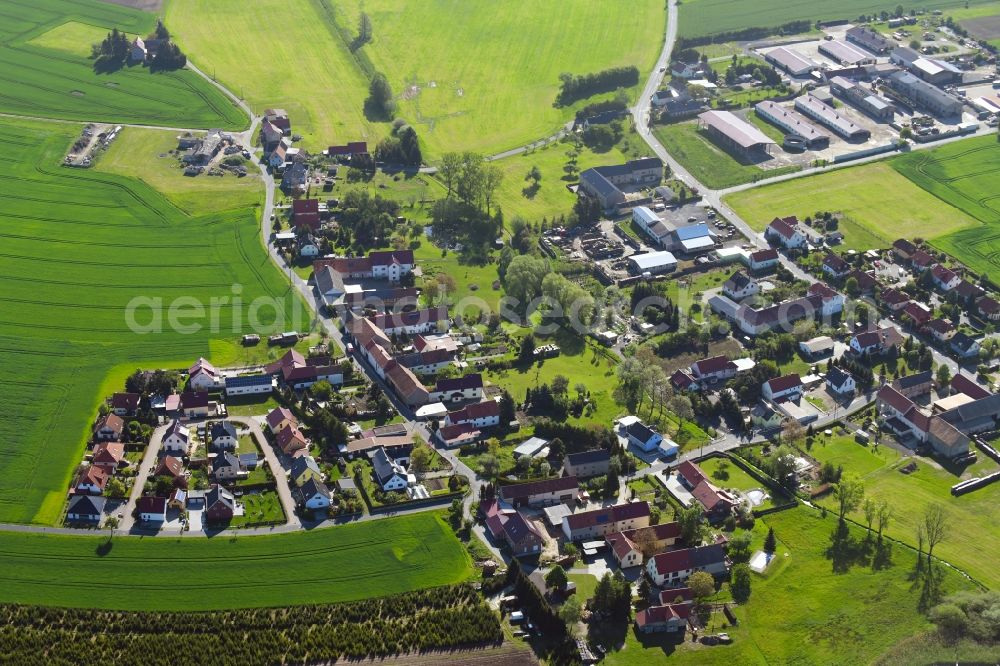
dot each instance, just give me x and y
(890, 396)
(531, 488)
(921, 259)
(963, 384)
(108, 453)
(759, 256)
(822, 290)
(709, 366)
(785, 226)
(279, 414)
(300, 206)
(836, 263)
(129, 401)
(988, 305)
(662, 614)
(940, 326)
(474, 411)
(605, 515)
(169, 466)
(943, 274)
(904, 246)
(110, 421)
(893, 297)
(94, 475)
(691, 473)
(916, 313)
(779, 384)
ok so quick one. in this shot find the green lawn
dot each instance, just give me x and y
(710, 164)
(262, 508)
(145, 155)
(709, 17)
(964, 175)
(858, 194)
(974, 518)
(44, 57)
(802, 611)
(585, 585)
(78, 247)
(469, 76)
(323, 566)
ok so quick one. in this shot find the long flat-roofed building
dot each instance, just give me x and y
(865, 100)
(828, 117)
(792, 122)
(869, 39)
(734, 133)
(924, 95)
(845, 54)
(791, 61)
(932, 70)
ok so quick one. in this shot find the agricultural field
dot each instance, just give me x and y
(963, 174)
(806, 608)
(711, 165)
(323, 566)
(44, 57)
(981, 20)
(699, 18)
(857, 194)
(971, 550)
(79, 246)
(147, 155)
(468, 76)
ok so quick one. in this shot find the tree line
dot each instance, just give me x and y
(580, 86)
(115, 49)
(445, 617)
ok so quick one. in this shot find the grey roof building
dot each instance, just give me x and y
(924, 95)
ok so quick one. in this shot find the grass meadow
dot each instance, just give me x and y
(806, 608)
(467, 75)
(710, 164)
(963, 174)
(858, 194)
(45, 70)
(708, 17)
(78, 246)
(344, 563)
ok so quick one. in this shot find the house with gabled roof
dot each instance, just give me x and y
(714, 369)
(390, 475)
(91, 480)
(195, 404)
(761, 260)
(520, 534)
(964, 345)
(921, 260)
(202, 376)
(176, 439)
(831, 301)
(903, 249)
(940, 329)
(740, 286)
(226, 466)
(224, 435)
(543, 492)
(944, 279)
(877, 341)
(916, 313)
(865, 279)
(220, 505)
(786, 232)
(626, 546)
(639, 434)
(109, 428)
(303, 469)
(674, 567)
(109, 455)
(169, 466)
(291, 440)
(479, 415)
(967, 292)
(670, 618)
(788, 387)
(279, 418)
(458, 389)
(586, 464)
(841, 382)
(457, 435)
(893, 299)
(151, 509)
(584, 525)
(914, 385)
(125, 404)
(989, 308)
(312, 495)
(960, 383)
(835, 266)
(85, 509)
(716, 503)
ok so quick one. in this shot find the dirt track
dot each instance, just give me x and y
(507, 654)
(146, 5)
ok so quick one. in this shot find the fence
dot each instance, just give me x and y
(877, 150)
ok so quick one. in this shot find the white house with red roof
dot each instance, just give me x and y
(877, 341)
(202, 376)
(783, 388)
(893, 299)
(762, 260)
(478, 415)
(716, 503)
(940, 329)
(989, 307)
(944, 279)
(835, 266)
(600, 522)
(832, 300)
(713, 369)
(786, 232)
(626, 546)
(674, 567)
(670, 618)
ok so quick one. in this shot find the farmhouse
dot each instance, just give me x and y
(793, 123)
(716, 503)
(825, 115)
(586, 525)
(85, 509)
(457, 389)
(546, 492)
(735, 134)
(673, 568)
(940, 432)
(790, 61)
(428, 320)
(478, 415)
(457, 435)
(350, 149)
(278, 118)
(606, 184)
(627, 546)
(915, 385)
(520, 534)
(586, 464)
(668, 618)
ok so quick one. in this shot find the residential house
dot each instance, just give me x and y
(85, 509)
(390, 475)
(109, 455)
(965, 346)
(125, 404)
(944, 279)
(765, 417)
(279, 418)
(512, 527)
(670, 618)
(109, 428)
(194, 404)
(835, 266)
(350, 149)
(151, 509)
(479, 415)
(91, 480)
(968, 293)
(224, 436)
(249, 385)
(202, 376)
(226, 466)
(305, 213)
(279, 156)
(137, 50)
(840, 382)
(279, 118)
(627, 546)
(397, 446)
(457, 435)
(545, 492)
(176, 439)
(411, 391)
(762, 260)
(294, 178)
(169, 466)
(303, 469)
(903, 249)
(865, 280)
(458, 389)
(875, 342)
(682, 380)
(788, 387)
(291, 440)
(428, 320)
(917, 314)
(740, 286)
(785, 232)
(831, 301)
(177, 499)
(312, 495)
(639, 434)
(429, 362)
(586, 464)
(989, 308)
(921, 261)
(220, 505)
(941, 432)
(270, 136)
(303, 377)
(716, 503)
(713, 369)
(915, 385)
(673, 568)
(586, 525)
(894, 299)
(940, 329)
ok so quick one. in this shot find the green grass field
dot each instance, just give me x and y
(859, 195)
(145, 155)
(469, 76)
(963, 174)
(974, 518)
(801, 611)
(710, 164)
(324, 566)
(46, 72)
(78, 246)
(709, 17)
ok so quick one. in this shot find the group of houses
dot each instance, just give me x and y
(351, 284)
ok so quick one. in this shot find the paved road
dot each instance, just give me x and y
(149, 460)
(280, 479)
